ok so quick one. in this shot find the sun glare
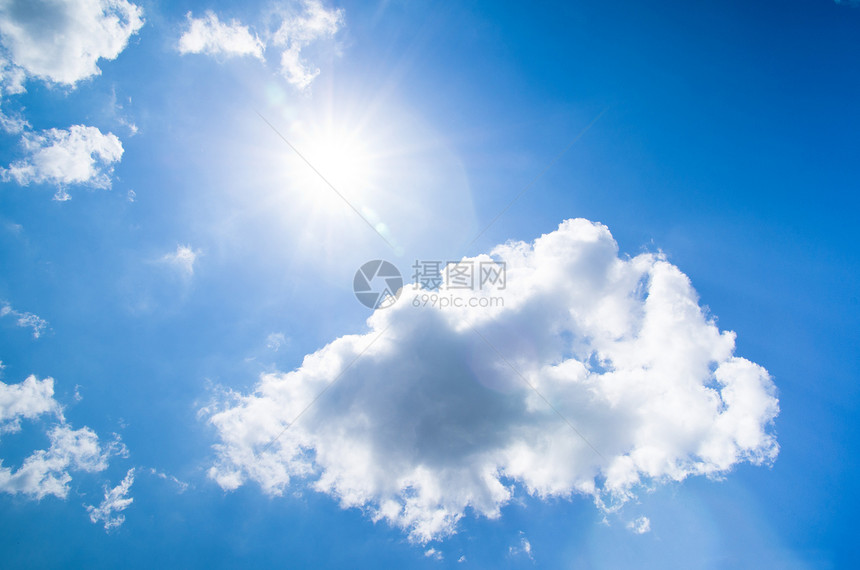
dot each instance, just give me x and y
(342, 157)
(353, 166)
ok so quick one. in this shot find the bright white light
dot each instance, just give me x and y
(342, 157)
(394, 177)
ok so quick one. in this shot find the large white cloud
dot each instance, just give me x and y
(599, 374)
(210, 36)
(62, 40)
(80, 155)
(48, 471)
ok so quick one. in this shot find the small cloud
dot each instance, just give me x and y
(208, 35)
(433, 553)
(640, 525)
(183, 259)
(116, 500)
(524, 547)
(14, 228)
(131, 195)
(275, 341)
(164, 476)
(132, 128)
(34, 322)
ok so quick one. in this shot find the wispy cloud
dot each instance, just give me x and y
(48, 471)
(37, 324)
(298, 26)
(297, 31)
(182, 485)
(523, 548)
(182, 259)
(115, 501)
(275, 341)
(640, 525)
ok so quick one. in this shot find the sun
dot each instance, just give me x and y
(358, 174)
(341, 156)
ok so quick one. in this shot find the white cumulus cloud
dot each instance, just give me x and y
(27, 400)
(116, 500)
(210, 36)
(298, 25)
(81, 155)
(599, 375)
(48, 471)
(63, 40)
(434, 554)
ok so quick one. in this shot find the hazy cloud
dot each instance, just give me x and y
(640, 525)
(183, 259)
(312, 23)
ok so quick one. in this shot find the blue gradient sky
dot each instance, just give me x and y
(728, 141)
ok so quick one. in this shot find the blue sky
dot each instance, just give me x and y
(176, 284)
